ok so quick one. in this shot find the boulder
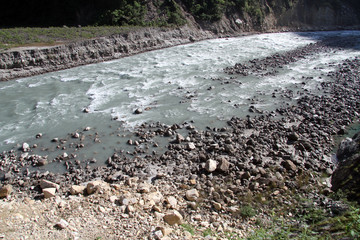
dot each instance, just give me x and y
(172, 202)
(5, 191)
(76, 189)
(48, 184)
(179, 138)
(25, 147)
(49, 192)
(223, 165)
(165, 231)
(155, 197)
(191, 146)
(210, 165)
(289, 165)
(62, 224)
(192, 195)
(42, 162)
(96, 186)
(173, 217)
(217, 206)
(348, 147)
(138, 111)
(346, 175)
(143, 188)
(76, 135)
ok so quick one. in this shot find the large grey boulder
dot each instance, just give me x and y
(346, 177)
(348, 147)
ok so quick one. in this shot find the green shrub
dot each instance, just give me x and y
(247, 211)
(188, 228)
(127, 13)
(206, 10)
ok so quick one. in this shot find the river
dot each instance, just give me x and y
(175, 85)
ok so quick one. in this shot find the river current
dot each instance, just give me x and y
(174, 85)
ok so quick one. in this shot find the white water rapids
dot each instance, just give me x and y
(174, 85)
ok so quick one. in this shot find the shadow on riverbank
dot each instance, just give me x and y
(349, 39)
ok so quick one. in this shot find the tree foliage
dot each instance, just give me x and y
(45, 13)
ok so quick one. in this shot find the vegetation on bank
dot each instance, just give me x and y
(15, 37)
(43, 13)
(307, 213)
(47, 22)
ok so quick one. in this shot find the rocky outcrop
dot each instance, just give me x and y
(319, 14)
(24, 62)
(346, 177)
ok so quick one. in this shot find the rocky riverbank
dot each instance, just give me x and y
(214, 182)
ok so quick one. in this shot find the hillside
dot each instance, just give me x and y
(239, 14)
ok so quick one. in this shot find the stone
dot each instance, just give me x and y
(5, 191)
(172, 202)
(223, 165)
(246, 175)
(157, 209)
(210, 165)
(293, 136)
(173, 217)
(65, 155)
(192, 181)
(346, 175)
(113, 199)
(87, 129)
(348, 147)
(165, 231)
(289, 165)
(49, 192)
(179, 138)
(42, 162)
(25, 147)
(217, 206)
(97, 186)
(62, 224)
(138, 111)
(198, 217)
(156, 197)
(159, 215)
(238, 21)
(76, 135)
(279, 176)
(329, 171)
(48, 184)
(233, 209)
(129, 209)
(77, 189)
(158, 234)
(191, 146)
(39, 135)
(192, 195)
(143, 188)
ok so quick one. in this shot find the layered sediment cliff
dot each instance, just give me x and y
(24, 62)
